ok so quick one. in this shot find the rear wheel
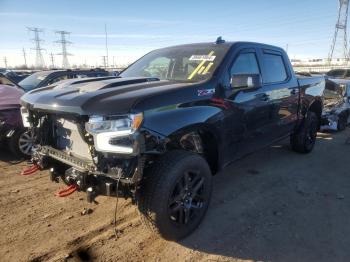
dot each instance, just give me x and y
(303, 140)
(175, 194)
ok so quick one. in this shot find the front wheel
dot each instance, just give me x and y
(22, 142)
(175, 194)
(303, 140)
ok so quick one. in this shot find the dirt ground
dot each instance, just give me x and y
(274, 205)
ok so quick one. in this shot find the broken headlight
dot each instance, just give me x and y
(107, 130)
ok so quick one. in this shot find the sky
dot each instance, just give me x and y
(304, 27)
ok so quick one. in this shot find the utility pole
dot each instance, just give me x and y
(113, 62)
(39, 60)
(63, 41)
(106, 46)
(25, 57)
(340, 34)
(52, 60)
(104, 59)
(5, 62)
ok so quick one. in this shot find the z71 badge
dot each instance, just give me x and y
(206, 92)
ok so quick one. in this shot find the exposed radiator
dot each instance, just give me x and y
(70, 140)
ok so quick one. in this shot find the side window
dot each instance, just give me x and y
(59, 78)
(245, 63)
(157, 68)
(274, 68)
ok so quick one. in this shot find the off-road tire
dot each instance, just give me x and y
(157, 188)
(304, 138)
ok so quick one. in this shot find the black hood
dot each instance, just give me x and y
(116, 96)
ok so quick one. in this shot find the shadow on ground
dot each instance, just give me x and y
(277, 205)
(6, 156)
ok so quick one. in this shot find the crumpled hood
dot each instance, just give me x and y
(115, 96)
(10, 97)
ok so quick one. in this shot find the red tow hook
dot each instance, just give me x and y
(31, 170)
(66, 191)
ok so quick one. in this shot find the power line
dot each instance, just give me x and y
(63, 41)
(340, 27)
(39, 60)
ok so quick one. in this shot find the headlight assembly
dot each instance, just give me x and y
(122, 124)
(107, 130)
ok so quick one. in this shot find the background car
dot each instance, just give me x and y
(4, 80)
(12, 133)
(336, 111)
(45, 78)
(14, 76)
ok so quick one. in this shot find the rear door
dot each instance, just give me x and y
(282, 89)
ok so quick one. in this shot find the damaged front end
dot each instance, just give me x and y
(97, 154)
(335, 117)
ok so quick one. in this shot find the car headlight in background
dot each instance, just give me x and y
(107, 129)
(25, 117)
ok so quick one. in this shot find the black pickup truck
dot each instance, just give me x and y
(170, 121)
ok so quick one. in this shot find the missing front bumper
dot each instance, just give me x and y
(117, 182)
(75, 162)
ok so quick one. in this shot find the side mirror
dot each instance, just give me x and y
(246, 81)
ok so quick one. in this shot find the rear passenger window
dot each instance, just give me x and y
(245, 63)
(274, 68)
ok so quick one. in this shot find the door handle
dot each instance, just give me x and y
(264, 97)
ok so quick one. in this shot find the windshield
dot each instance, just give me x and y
(191, 63)
(33, 80)
(5, 81)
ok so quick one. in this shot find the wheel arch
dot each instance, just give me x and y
(317, 107)
(209, 141)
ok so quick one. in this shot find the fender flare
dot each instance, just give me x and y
(176, 120)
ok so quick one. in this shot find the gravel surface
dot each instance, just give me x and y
(274, 205)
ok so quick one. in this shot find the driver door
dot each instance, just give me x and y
(247, 119)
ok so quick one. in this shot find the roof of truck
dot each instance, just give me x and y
(225, 43)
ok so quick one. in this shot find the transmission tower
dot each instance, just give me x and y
(63, 41)
(39, 60)
(339, 45)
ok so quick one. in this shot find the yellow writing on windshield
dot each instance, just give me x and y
(207, 68)
(199, 67)
(201, 70)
